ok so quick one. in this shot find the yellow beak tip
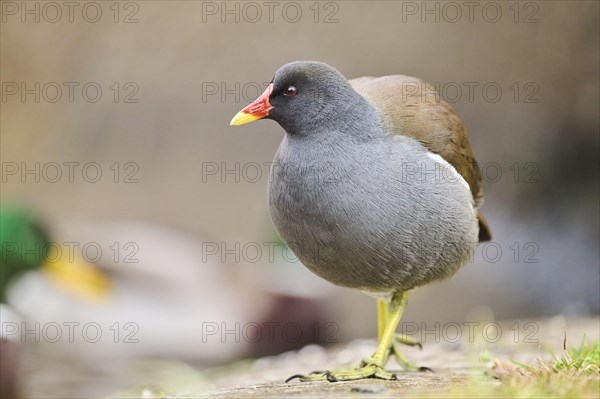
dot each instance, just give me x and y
(241, 118)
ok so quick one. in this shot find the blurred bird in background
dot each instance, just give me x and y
(25, 246)
(166, 304)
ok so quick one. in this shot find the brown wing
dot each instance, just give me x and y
(411, 107)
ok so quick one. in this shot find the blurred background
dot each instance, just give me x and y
(115, 138)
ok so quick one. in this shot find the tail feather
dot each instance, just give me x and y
(484, 229)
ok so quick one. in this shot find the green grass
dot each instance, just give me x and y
(575, 374)
(584, 359)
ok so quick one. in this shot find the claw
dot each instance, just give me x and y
(425, 369)
(330, 377)
(299, 376)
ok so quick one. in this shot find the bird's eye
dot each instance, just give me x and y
(290, 91)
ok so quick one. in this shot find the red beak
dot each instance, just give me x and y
(257, 110)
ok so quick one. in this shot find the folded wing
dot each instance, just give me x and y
(411, 107)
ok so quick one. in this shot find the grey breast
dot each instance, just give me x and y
(378, 215)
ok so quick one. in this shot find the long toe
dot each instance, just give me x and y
(408, 340)
(360, 373)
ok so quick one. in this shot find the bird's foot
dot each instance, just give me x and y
(369, 367)
(399, 356)
(366, 371)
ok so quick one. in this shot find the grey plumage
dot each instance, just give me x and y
(359, 205)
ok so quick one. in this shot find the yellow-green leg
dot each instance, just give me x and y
(382, 322)
(372, 366)
(382, 317)
(382, 314)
